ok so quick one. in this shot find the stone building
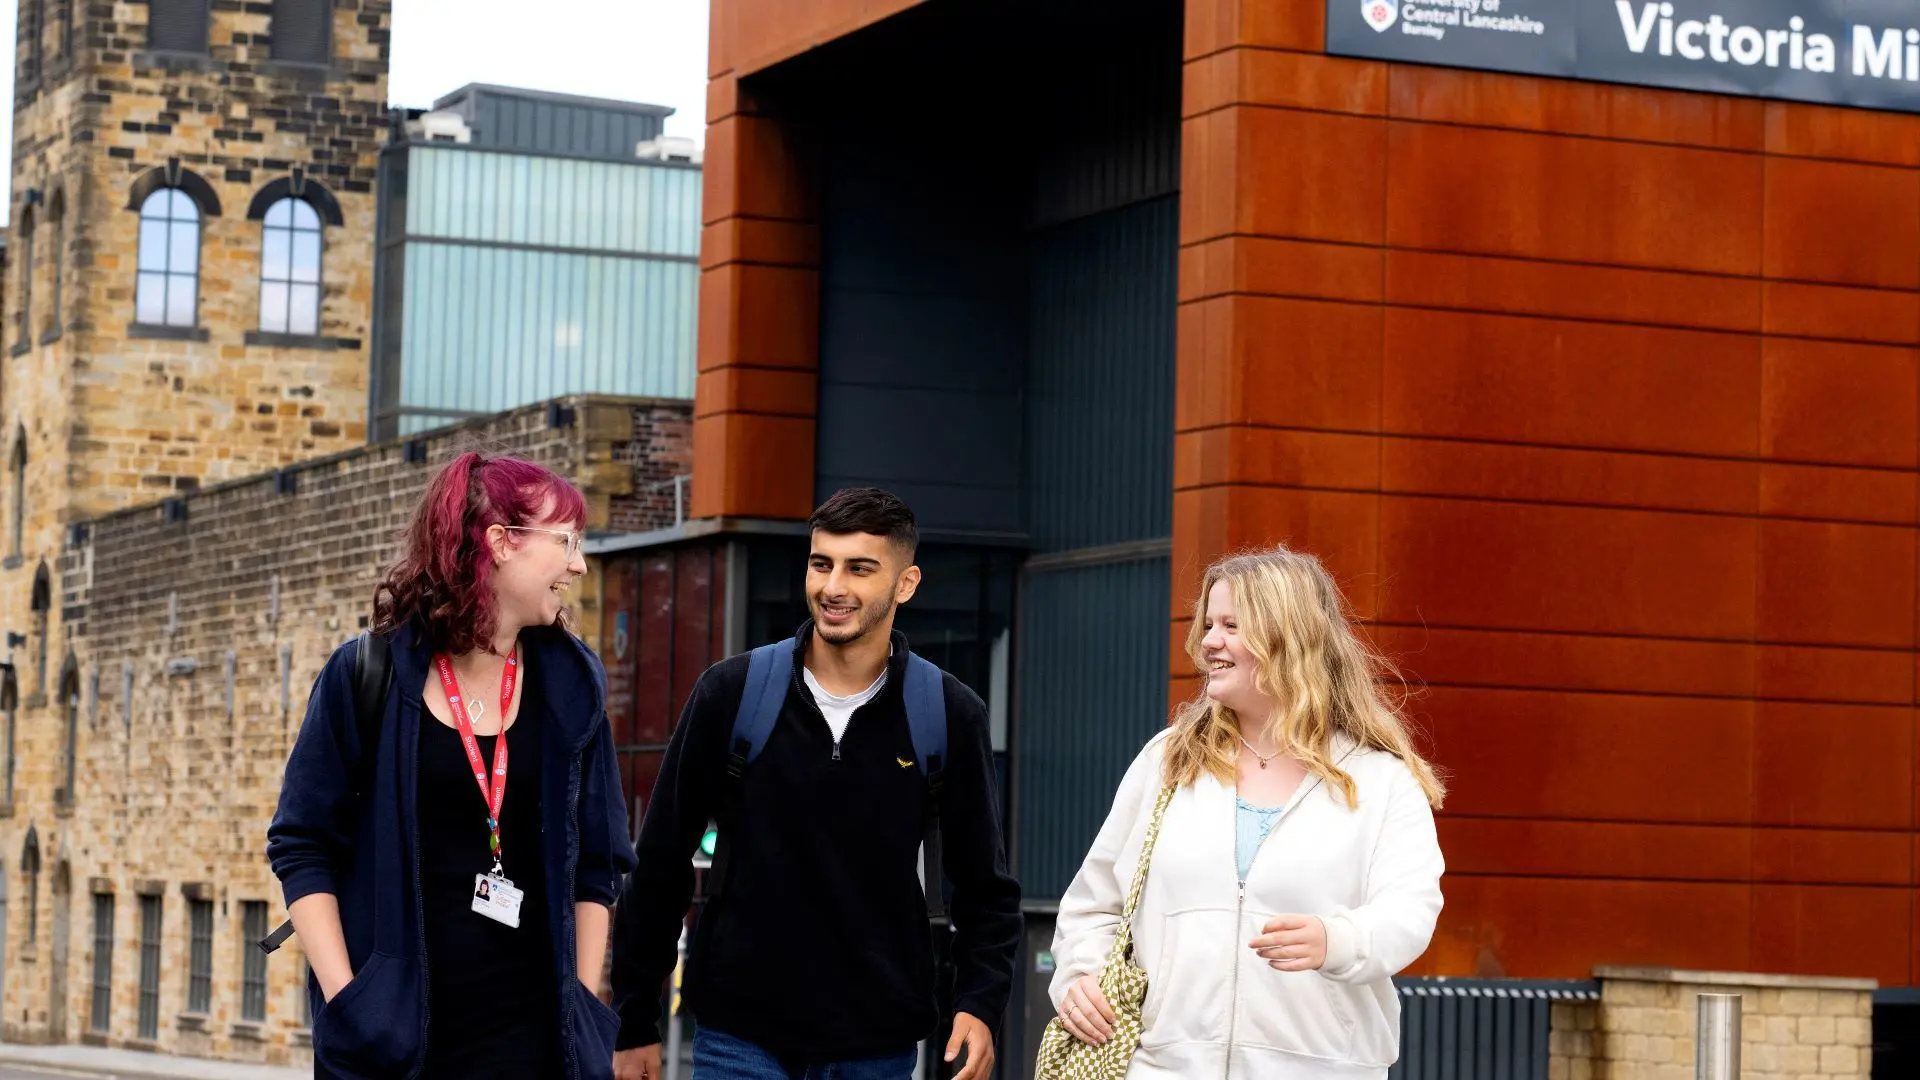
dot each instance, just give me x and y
(195, 629)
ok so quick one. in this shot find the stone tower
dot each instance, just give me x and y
(187, 302)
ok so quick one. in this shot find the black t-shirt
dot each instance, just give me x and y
(491, 992)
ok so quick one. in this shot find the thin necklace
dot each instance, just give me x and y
(1264, 758)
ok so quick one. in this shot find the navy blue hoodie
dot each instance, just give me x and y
(323, 841)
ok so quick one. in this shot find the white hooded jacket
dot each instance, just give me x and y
(1214, 1008)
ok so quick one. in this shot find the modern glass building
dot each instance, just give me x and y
(531, 245)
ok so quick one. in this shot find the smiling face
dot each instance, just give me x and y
(1231, 666)
(535, 566)
(853, 582)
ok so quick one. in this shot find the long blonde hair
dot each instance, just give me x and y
(1324, 679)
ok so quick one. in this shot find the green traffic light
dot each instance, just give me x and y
(708, 842)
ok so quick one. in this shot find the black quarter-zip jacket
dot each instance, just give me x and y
(819, 948)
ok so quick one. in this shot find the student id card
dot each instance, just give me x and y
(496, 898)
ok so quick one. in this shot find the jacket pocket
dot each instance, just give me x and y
(1190, 979)
(371, 1028)
(1300, 1012)
(595, 1027)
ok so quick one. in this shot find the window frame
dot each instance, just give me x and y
(293, 230)
(199, 956)
(203, 48)
(174, 196)
(325, 58)
(152, 916)
(100, 1010)
(253, 964)
(23, 319)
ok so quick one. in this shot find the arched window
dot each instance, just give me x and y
(9, 708)
(33, 21)
(23, 326)
(57, 214)
(17, 511)
(70, 34)
(42, 603)
(169, 288)
(30, 869)
(290, 250)
(70, 743)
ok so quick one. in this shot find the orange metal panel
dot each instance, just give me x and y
(1838, 766)
(1294, 268)
(1603, 293)
(1572, 199)
(1245, 76)
(1516, 566)
(1840, 312)
(1569, 383)
(1510, 471)
(1821, 131)
(1288, 363)
(1836, 493)
(1489, 99)
(1833, 930)
(1517, 660)
(1842, 222)
(1840, 403)
(1824, 583)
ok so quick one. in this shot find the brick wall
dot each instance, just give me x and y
(1643, 1027)
(218, 623)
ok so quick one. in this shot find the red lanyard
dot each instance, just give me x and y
(497, 793)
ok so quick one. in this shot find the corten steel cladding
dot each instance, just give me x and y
(1124, 983)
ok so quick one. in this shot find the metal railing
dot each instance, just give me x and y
(1483, 1029)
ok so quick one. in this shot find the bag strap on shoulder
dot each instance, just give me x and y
(372, 677)
(769, 679)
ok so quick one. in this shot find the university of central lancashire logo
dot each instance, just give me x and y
(1380, 14)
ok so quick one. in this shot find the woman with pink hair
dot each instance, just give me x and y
(449, 857)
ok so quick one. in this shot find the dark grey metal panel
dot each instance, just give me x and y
(1092, 689)
(528, 120)
(1100, 378)
(922, 330)
(1110, 134)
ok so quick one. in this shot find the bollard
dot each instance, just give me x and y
(1716, 1054)
(670, 1059)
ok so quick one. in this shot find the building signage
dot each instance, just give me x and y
(1842, 52)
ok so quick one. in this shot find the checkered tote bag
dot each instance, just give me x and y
(1124, 983)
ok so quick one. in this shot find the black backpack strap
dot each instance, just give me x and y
(372, 677)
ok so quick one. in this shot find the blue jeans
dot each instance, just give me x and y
(719, 1056)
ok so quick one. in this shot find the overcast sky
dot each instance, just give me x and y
(636, 50)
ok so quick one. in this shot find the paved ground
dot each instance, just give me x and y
(92, 1063)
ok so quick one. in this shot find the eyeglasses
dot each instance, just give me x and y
(573, 539)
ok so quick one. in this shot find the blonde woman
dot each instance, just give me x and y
(1297, 868)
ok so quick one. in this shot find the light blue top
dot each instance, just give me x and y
(1251, 826)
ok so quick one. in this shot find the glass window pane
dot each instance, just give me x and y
(156, 204)
(305, 315)
(279, 214)
(275, 255)
(184, 250)
(183, 208)
(180, 289)
(150, 304)
(153, 244)
(306, 256)
(273, 307)
(305, 216)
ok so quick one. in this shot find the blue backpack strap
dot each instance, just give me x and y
(926, 698)
(769, 675)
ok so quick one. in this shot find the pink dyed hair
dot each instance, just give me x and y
(443, 578)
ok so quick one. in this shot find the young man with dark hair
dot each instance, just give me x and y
(813, 955)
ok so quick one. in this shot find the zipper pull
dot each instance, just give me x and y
(836, 751)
